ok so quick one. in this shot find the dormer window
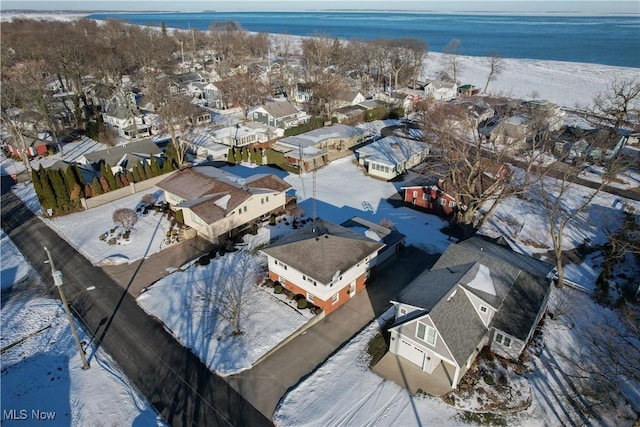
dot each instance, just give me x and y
(483, 309)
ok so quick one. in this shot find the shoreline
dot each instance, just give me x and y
(568, 84)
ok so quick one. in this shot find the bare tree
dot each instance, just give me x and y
(614, 112)
(496, 67)
(238, 275)
(451, 62)
(474, 175)
(125, 217)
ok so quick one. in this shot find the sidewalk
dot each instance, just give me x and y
(136, 276)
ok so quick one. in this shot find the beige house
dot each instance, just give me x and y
(217, 203)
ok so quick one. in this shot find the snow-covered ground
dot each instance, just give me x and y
(187, 301)
(42, 372)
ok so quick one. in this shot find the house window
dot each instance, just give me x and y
(304, 277)
(310, 297)
(335, 298)
(262, 201)
(452, 204)
(426, 196)
(499, 338)
(442, 202)
(483, 309)
(415, 194)
(403, 311)
(426, 333)
(266, 199)
(245, 208)
(506, 342)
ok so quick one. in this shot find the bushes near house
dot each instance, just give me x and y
(302, 303)
(488, 379)
(203, 260)
(277, 289)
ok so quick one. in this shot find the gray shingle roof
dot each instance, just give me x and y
(321, 249)
(112, 155)
(426, 290)
(459, 325)
(280, 109)
(518, 312)
(519, 281)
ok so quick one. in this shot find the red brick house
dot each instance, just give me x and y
(427, 194)
(326, 263)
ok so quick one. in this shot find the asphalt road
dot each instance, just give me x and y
(182, 389)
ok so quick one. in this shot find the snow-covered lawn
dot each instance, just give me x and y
(83, 229)
(187, 302)
(44, 372)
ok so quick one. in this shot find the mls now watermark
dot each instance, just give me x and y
(23, 414)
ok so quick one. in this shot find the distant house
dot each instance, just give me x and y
(440, 90)
(316, 148)
(350, 114)
(390, 156)
(511, 132)
(478, 294)
(582, 142)
(127, 122)
(32, 147)
(122, 158)
(426, 193)
(244, 134)
(206, 94)
(218, 204)
(326, 263)
(281, 114)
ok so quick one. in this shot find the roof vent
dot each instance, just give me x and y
(395, 146)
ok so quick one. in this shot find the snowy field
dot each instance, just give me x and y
(44, 371)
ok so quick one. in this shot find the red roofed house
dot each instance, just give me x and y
(326, 263)
(216, 203)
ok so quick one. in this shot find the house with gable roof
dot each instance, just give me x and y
(478, 294)
(216, 203)
(123, 157)
(326, 263)
(281, 114)
(390, 156)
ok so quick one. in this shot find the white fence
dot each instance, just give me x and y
(133, 188)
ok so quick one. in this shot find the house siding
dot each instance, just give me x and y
(327, 305)
(233, 220)
(414, 196)
(512, 352)
(408, 330)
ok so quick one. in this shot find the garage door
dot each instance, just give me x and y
(411, 352)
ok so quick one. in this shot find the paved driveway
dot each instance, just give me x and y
(136, 276)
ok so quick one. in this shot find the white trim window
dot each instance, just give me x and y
(310, 297)
(501, 339)
(483, 309)
(426, 333)
(335, 298)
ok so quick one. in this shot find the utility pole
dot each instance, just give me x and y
(57, 280)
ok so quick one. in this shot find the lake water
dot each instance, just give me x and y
(608, 40)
